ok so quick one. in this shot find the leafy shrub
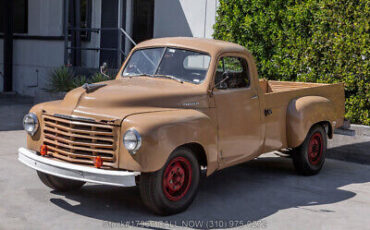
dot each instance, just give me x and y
(63, 79)
(324, 41)
(98, 77)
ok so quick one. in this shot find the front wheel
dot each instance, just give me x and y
(58, 183)
(309, 157)
(172, 189)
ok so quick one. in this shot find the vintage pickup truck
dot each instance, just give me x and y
(178, 106)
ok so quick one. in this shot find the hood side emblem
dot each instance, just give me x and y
(189, 104)
(92, 87)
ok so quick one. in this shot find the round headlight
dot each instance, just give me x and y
(132, 140)
(30, 123)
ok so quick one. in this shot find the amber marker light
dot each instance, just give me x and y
(98, 162)
(44, 150)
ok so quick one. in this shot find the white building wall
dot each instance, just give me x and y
(32, 63)
(91, 58)
(211, 17)
(189, 18)
(34, 60)
(45, 17)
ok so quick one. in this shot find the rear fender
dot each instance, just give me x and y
(303, 113)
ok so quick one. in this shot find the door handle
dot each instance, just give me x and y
(268, 112)
(254, 97)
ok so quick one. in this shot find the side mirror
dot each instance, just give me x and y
(103, 69)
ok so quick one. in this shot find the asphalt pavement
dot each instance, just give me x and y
(264, 193)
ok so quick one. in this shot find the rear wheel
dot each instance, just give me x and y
(173, 188)
(309, 157)
(58, 183)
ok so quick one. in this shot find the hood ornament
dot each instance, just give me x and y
(92, 87)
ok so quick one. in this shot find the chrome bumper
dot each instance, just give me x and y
(76, 172)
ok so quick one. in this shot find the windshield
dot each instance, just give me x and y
(174, 63)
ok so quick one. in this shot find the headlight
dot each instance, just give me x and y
(132, 140)
(30, 123)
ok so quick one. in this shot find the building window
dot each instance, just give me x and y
(20, 16)
(143, 19)
(84, 13)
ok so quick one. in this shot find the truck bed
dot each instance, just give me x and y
(278, 95)
(282, 86)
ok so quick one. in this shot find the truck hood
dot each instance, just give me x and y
(123, 97)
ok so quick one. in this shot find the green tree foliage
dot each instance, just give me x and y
(314, 40)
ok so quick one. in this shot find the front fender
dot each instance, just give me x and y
(304, 112)
(162, 133)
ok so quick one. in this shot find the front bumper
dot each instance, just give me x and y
(76, 172)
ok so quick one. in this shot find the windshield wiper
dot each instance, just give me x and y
(138, 75)
(168, 76)
(156, 75)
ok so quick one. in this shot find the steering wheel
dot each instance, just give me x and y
(223, 84)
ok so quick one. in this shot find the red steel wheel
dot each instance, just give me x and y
(315, 148)
(309, 157)
(172, 188)
(177, 178)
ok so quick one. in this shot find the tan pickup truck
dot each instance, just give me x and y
(178, 106)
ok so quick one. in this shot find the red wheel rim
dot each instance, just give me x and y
(177, 178)
(315, 147)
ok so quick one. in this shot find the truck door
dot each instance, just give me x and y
(238, 110)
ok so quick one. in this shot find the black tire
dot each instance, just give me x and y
(156, 188)
(309, 157)
(58, 183)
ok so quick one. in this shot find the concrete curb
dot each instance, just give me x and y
(351, 148)
(361, 130)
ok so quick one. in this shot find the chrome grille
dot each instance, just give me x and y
(79, 141)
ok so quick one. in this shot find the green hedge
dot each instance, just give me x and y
(314, 41)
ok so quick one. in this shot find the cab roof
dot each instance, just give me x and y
(210, 46)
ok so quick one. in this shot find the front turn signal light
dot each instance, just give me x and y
(98, 162)
(44, 150)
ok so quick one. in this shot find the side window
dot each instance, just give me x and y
(232, 73)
